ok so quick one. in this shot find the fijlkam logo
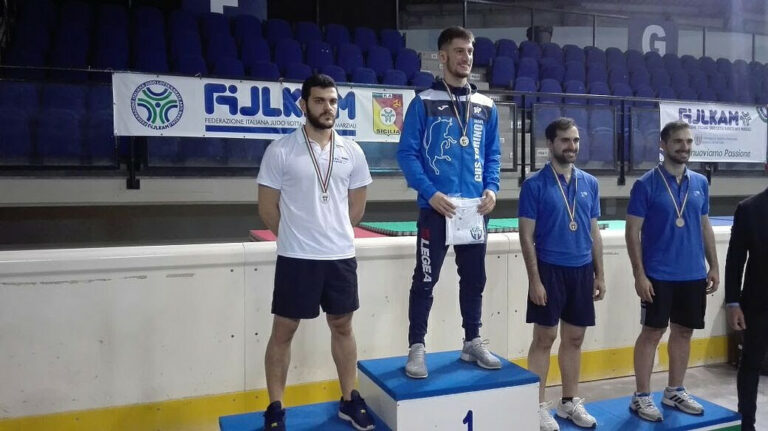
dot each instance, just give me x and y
(161, 102)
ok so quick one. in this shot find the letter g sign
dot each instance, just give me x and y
(654, 39)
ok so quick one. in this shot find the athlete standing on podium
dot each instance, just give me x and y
(312, 190)
(449, 148)
(668, 236)
(563, 252)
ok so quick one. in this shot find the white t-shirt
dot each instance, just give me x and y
(310, 228)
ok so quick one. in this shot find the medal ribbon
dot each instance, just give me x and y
(323, 182)
(455, 104)
(679, 210)
(571, 211)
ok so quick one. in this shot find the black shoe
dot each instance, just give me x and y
(355, 411)
(274, 417)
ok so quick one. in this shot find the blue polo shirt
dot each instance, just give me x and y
(671, 253)
(541, 200)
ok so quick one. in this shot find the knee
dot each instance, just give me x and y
(573, 341)
(544, 339)
(340, 326)
(652, 335)
(681, 332)
(283, 333)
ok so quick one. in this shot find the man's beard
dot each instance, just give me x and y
(562, 159)
(315, 121)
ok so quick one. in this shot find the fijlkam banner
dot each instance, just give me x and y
(722, 133)
(158, 105)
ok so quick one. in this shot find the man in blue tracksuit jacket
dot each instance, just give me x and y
(449, 148)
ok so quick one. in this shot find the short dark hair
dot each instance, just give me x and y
(316, 80)
(672, 127)
(562, 123)
(450, 33)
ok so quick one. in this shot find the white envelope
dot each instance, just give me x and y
(467, 226)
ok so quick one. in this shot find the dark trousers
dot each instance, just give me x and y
(430, 253)
(752, 356)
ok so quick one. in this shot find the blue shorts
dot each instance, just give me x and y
(302, 286)
(569, 296)
(680, 302)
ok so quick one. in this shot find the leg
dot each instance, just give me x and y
(470, 262)
(430, 253)
(278, 356)
(569, 357)
(679, 351)
(538, 354)
(344, 351)
(755, 344)
(645, 352)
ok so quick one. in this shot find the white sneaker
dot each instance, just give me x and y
(546, 421)
(680, 398)
(642, 405)
(475, 351)
(576, 413)
(416, 368)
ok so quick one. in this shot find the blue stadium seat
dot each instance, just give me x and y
(529, 49)
(380, 60)
(660, 78)
(15, 136)
(595, 55)
(307, 31)
(392, 40)
(255, 50)
(574, 71)
(596, 73)
(550, 86)
(277, 29)
(527, 85)
(635, 60)
(63, 97)
(335, 72)
(202, 151)
(542, 116)
(707, 95)
(337, 34)
(666, 92)
(99, 137)
(599, 88)
(319, 54)
(601, 129)
(647, 92)
(18, 56)
(698, 80)
(552, 71)
(672, 63)
(686, 93)
(618, 76)
(502, 72)
(581, 118)
(408, 61)
(113, 38)
(100, 98)
(573, 53)
(220, 45)
(553, 51)
(19, 95)
(152, 61)
(615, 57)
(32, 37)
(162, 150)
(263, 70)
(182, 21)
(41, 14)
(349, 57)
(76, 12)
(186, 43)
(58, 137)
(422, 80)
(689, 62)
(679, 79)
(653, 60)
(365, 38)
(622, 90)
(364, 75)
(574, 87)
(228, 67)
(112, 15)
(245, 152)
(639, 78)
(297, 72)
(394, 77)
(724, 66)
(707, 65)
(727, 96)
(528, 68)
(287, 51)
(148, 18)
(485, 51)
(246, 27)
(70, 50)
(507, 48)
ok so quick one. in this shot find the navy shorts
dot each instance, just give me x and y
(680, 302)
(302, 286)
(569, 296)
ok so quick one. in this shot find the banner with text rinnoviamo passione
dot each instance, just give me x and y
(722, 132)
(163, 105)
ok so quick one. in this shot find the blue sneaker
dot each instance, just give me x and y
(274, 417)
(355, 411)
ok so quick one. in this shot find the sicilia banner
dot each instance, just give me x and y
(722, 132)
(164, 105)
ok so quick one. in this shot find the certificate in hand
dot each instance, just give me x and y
(467, 225)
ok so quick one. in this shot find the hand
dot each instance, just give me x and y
(488, 203)
(644, 288)
(537, 293)
(598, 288)
(442, 204)
(713, 280)
(735, 318)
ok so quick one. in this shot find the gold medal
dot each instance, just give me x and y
(573, 226)
(679, 221)
(464, 141)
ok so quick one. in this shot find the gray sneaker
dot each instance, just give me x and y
(680, 398)
(642, 405)
(475, 351)
(416, 368)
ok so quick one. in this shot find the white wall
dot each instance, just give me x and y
(90, 328)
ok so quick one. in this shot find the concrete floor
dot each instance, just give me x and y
(714, 383)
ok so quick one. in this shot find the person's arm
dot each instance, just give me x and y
(357, 204)
(536, 290)
(710, 251)
(597, 261)
(269, 207)
(643, 286)
(734, 268)
(491, 164)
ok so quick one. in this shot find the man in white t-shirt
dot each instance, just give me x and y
(312, 190)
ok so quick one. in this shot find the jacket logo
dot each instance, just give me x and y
(436, 151)
(440, 108)
(477, 109)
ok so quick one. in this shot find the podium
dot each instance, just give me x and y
(457, 395)
(311, 417)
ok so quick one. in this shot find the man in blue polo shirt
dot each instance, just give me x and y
(563, 252)
(668, 235)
